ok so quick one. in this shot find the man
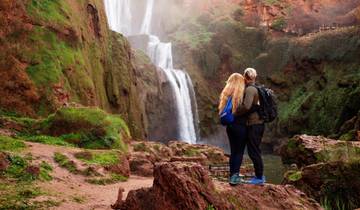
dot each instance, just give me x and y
(255, 125)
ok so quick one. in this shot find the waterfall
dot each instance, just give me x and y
(146, 24)
(119, 15)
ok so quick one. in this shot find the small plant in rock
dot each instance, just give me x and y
(279, 24)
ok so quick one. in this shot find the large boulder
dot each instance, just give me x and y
(177, 186)
(188, 186)
(306, 150)
(334, 184)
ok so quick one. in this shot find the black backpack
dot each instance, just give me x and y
(268, 108)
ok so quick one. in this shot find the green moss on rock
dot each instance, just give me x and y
(89, 128)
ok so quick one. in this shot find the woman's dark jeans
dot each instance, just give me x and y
(237, 134)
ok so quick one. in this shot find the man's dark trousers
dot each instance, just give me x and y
(255, 134)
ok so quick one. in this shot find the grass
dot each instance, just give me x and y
(11, 144)
(99, 158)
(45, 170)
(18, 166)
(65, 162)
(50, 140)
(19, 195)
(114, 178)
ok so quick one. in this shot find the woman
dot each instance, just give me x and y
(235, 88)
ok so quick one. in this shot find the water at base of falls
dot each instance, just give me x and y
(119, 13)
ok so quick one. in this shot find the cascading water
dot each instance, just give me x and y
(119, 16)
(120, 19)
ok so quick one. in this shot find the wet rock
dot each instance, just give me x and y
(188, 186)
(4, 161)
(333, 183)
(122, 168)
(306, 150)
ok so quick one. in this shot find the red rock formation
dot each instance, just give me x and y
(302, 16)
(188, 186)
(306, 150)
(336, 183)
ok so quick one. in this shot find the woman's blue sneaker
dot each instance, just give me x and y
(235, 180)
(257, 181)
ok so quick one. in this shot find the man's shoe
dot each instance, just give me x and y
(257, 181)
(235, 180)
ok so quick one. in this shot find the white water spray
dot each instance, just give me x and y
(119, 17)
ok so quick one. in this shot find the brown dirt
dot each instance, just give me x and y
(67, 187)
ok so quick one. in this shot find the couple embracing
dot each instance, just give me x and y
(242, 114)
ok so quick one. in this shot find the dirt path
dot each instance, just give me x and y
(72, 190)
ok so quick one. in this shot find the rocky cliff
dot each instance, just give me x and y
(59, 52)
(314, 73)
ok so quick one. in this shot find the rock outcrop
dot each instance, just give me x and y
(145, 155)
(334, 184)
(306, 150)
(188, 186)
(82, 61)
(300, 17)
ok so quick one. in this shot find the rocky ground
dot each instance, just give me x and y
(149, 176)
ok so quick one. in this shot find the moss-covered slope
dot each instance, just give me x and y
(59, 52)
